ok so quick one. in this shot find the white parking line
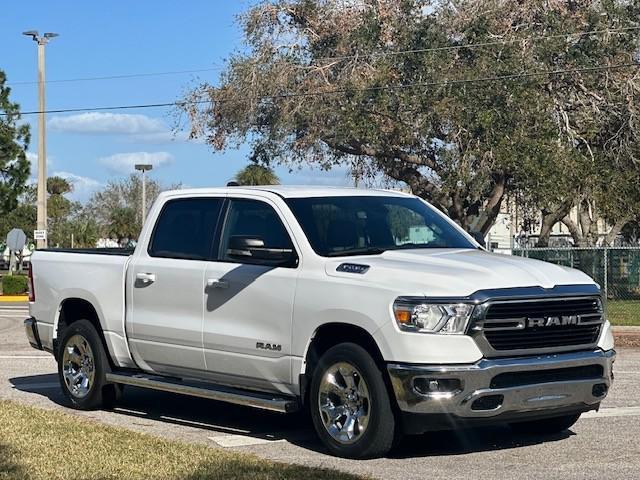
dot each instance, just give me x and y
(37, 386)
(230, 441)
(195, 423)
(613, 412)
(23, 357)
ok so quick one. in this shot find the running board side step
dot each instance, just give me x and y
(247, 398)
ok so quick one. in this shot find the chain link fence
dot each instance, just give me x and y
(616, 269)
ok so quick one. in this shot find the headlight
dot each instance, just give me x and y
(432, 317)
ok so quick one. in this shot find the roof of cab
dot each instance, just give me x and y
(294, 191)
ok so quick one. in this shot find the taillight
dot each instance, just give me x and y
(32, 291)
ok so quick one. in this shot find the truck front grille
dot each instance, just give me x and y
(553, 337)
(542, 324)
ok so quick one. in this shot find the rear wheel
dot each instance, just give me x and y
(82, 368)
(350, 406)
(546, 426)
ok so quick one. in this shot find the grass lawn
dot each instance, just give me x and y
(41, 444)
(624, 312)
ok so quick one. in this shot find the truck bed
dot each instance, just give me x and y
(96, 276)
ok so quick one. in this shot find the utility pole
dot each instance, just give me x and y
(144, 168)
(42, 149)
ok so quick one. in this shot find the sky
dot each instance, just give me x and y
(116, 38)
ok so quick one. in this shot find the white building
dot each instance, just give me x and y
(510, 230)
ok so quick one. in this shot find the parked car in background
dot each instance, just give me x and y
(5, 259)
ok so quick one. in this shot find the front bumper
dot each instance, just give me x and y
(576, 381)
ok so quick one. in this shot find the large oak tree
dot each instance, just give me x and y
(464, 101)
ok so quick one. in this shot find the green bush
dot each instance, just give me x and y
(14, 284)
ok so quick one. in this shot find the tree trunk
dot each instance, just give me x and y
(548, 221)
(587, 224)
(615, 231)
(574, 230)
(550, 218)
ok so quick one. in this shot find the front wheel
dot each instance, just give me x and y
(350, 405)
(546, 426)
(82, 368)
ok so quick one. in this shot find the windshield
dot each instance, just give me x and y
(337, 226)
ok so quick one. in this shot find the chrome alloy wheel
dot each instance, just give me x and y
(343, 400)
(78, 366)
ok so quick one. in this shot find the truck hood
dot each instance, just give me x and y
(455, 272)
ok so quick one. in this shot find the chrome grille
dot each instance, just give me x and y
(553, 324)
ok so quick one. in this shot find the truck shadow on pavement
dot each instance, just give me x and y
(176, 416)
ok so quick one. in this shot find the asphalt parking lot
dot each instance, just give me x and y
(601, 445)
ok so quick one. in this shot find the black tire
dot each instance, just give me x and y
(546, 426)
(98, 392)
(380, 433)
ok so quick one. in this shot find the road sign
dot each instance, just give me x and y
(16, 240)
(39, 234)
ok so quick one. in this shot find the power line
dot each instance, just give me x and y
(347, 57)
(498, 78)
(97, 109)
(117, 77)
(483, 44)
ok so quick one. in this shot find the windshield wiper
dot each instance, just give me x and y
(358, 251)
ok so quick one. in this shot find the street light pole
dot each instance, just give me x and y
(144, 167)
(42, 148)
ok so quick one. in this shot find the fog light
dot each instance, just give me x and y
(436, 386)
(488, 402)
(599, 390)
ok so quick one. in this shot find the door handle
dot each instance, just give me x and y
(217, 283)
(146, 277)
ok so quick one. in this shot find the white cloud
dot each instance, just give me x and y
(83, 187)
(123, 163)
(107, 123)
(33, 161)
(160, 138)
(133, 128)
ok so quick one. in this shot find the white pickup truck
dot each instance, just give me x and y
(368, 307)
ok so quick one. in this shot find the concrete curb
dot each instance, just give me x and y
(626, 336)
(14, 298)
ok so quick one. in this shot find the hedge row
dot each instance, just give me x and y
(14, 284)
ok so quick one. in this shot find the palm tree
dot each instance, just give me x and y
(256, 175)
(58, 186)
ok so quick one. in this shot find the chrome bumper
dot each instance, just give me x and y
(474, 396)
(31, 329)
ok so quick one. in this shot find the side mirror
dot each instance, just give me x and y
(479, 237)
(252, 250)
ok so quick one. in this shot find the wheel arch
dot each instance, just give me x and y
(71, 310)
(328, 335)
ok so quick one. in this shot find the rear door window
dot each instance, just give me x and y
(186, 229)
